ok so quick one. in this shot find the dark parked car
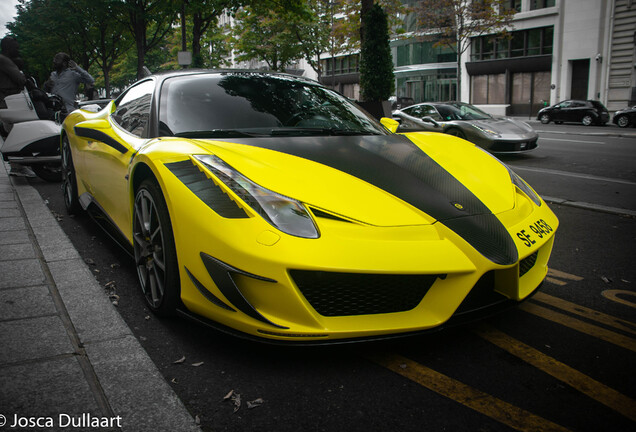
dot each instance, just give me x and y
(497, 135)
(587, 112)
(625, 117)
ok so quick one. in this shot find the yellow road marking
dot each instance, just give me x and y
(563, 275)
(581, 382)
(477, 400)
(583, 327)
(555, 281)
(586, 312)
(613, 295)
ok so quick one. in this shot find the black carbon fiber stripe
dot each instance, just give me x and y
(101, 137)
(396, 165)
(206, 189)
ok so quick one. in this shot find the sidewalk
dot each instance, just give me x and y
(68, 361)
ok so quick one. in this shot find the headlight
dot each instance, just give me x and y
(286, 214)
(486, 131)
(521, 184)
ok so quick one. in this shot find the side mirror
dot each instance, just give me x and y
(428, 119)
(390, 124)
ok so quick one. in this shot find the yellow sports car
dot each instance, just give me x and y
(272, 207)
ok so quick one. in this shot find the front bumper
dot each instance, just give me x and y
(355, 281)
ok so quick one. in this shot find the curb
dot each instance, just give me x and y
(117, 371)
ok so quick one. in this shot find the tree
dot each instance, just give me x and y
(377, 81)
(346, 30)
(45, 27)
(204, 15)
(266, 36)
(454, 22)
(149, 22)
(106, 36)
(313, 32)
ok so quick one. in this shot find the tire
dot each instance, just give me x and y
(456, 132)
(622, 121)
(50, 172)
(545, 118)
(155, 252)
(587, 120)
(69, 180)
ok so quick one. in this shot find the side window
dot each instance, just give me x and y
(416, 112)
(435, 115)
(133, 109)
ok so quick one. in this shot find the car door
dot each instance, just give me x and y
(109, 161)
(577, 110)
(561, 111)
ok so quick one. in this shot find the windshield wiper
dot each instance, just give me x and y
(319, 131)
(217, 133)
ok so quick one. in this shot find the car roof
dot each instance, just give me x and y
(163, 75)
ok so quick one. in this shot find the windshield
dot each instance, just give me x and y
(254, 104)
(461, 111)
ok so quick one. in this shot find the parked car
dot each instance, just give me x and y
(497, 135)
(271, 206)
(625, 117)
(587, 112)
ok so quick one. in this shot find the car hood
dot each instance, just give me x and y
(379, 180)
(503, 126)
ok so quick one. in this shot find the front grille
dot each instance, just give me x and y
(527, 263)
(346, 294)
(503, 146)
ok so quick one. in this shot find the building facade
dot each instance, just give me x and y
(557, 50)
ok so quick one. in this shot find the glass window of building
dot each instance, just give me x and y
(521, 43)
(541, 4)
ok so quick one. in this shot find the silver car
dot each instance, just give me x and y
(497, 135)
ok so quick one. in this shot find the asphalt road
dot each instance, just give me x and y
(562, 361)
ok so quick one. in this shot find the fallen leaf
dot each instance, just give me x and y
(197, 420)
(89, 261)
(606, 279)
(197, 364)
(181, 360)
(255, 403)
(174, 381)
(235, 398)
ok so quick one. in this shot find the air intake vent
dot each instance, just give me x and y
(527, 263)
(206, 189)
(345, 294)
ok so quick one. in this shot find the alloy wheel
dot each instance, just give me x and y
(149, 248)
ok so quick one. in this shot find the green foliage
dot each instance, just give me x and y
(266, 36)
(377, 81)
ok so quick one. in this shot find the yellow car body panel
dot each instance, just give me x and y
(363, 229)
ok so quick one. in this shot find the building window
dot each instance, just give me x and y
(522, 43)
(512, 5)
(422, 53)
(541, 4)
(343, 65)
(488, 89)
